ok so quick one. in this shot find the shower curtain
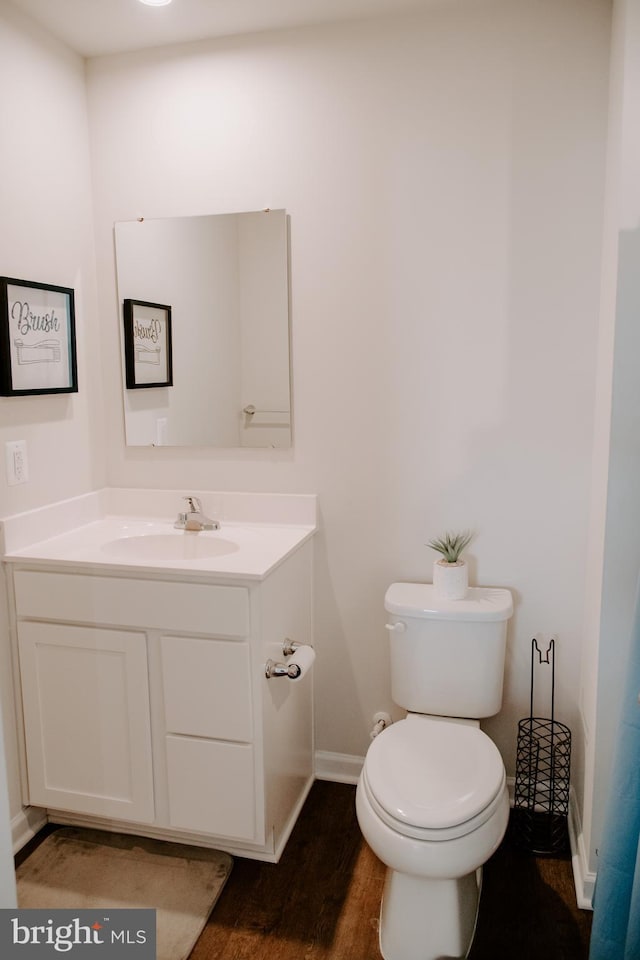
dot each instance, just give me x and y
(615, 933)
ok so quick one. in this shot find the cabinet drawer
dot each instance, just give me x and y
(120, 601)
(211, 787)
(207, 687)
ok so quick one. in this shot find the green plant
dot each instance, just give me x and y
(451, 545)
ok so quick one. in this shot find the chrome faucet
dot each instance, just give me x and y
(194, 518)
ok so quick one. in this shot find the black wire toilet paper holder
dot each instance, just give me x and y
(543, 767)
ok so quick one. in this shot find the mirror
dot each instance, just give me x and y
(223, 281)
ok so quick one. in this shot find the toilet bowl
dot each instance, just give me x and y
(433, 805)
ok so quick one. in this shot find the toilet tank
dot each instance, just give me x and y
(447, 656)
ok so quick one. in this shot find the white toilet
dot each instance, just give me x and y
(432, 800)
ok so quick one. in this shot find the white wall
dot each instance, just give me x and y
(46, 235)
(444, 175)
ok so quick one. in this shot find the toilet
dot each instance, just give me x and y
(432, 799)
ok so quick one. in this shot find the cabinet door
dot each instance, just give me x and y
(87, 723)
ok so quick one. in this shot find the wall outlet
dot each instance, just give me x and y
(17, 464)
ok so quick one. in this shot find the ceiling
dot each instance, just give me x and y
(95, 27)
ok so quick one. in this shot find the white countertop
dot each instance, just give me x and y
(254, 549)
(240, 550)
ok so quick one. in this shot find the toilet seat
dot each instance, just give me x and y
(433, 779)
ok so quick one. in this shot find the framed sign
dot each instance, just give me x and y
(37, 339)
(147, 344)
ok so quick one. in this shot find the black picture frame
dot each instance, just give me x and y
(37, 338)
(148, 357)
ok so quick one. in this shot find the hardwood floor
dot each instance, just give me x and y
(321, 901)
(528, 909)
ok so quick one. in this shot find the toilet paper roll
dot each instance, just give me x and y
(302, 658)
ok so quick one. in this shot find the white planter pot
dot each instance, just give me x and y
(450, 580)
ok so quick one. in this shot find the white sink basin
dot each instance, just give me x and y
(168, 546)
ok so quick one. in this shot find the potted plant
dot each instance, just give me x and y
(450, 573)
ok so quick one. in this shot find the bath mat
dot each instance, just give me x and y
(81, 869)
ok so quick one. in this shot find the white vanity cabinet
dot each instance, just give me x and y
(145, 704)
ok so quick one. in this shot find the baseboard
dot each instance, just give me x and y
(25, 825)
(511, 787)
(584, 879)
(338, 767)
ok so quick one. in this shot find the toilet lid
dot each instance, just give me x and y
(433, 774)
